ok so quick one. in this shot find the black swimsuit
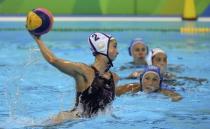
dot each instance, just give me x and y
(96, 97)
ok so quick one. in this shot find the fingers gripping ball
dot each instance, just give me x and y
(39, 21)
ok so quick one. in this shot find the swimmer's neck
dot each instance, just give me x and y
(101, 63)
(139, 61)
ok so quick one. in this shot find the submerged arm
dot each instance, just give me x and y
(133, 87)
(173, 95)
(199, 80)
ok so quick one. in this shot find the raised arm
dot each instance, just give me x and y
(173, 95)
(133, 87)
(70, 68)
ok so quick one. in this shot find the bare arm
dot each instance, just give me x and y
(116, 78)
(133, 87)
(134, 75)
(70, 68)
(173, 95)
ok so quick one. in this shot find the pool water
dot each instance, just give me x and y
(31, 90)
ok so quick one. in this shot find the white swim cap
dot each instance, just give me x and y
(152, 53)
(156, 51)
(99, 43)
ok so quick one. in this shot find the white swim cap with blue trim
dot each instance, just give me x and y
(134, 42)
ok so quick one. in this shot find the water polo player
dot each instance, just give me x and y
(95, 84)
(139, 51)
(150, 81)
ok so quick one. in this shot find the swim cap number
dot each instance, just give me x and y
(95, 37)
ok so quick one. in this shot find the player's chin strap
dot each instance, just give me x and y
(109, 65)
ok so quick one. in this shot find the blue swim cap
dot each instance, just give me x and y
(136, 41)
(153, 69)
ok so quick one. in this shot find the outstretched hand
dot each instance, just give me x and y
(34, 35)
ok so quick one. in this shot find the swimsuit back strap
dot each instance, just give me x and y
(95, 70)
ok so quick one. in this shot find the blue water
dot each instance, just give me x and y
(31, 90)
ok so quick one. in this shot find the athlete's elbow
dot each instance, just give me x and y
(52, 60)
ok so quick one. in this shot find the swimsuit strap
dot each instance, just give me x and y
(97, 74)
(95, 70)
